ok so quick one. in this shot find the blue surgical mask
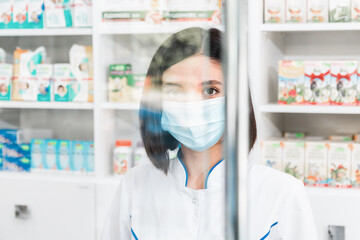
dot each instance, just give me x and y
(197, 125)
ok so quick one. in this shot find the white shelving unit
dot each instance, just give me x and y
(270, 43)
(275, 108)
(310, 27)
(101, 121)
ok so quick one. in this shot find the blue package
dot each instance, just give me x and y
(89, 157)
(63, 155)
(24, 162)
(11, 157)
(37, 154)
(1, 156)
(9, 136)
(78, 156)
(50, 151)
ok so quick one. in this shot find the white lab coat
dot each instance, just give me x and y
(150, 205)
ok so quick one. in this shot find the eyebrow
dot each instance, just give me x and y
(172, 84)
(212, 82)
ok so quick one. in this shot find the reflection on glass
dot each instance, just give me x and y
(180, 194)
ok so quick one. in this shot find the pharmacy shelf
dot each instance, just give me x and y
(59, 177)
(121, 106)
(147, 28)
(51, 177)
(46, 32)
(333, 192)
(47, 105)
(275, 108)
(310, 27)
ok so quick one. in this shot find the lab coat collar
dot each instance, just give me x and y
(215, 177)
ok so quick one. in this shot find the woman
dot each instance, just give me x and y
(182, 197)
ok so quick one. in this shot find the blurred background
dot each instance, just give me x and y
(71, 79)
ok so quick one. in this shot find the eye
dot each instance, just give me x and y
(210, 91)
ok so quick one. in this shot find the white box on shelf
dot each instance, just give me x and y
(339, 163)
(295, 11)
(294, 158)
(355, 165)
(316, 163)
(318, 11)
(82, 13)
(343, 82)
(317, 82)
(339, 10)
(274, 11)
(271, 153)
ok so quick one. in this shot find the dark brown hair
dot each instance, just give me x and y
(176, 48)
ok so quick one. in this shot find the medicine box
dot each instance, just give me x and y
(339, 162)
(355, 165)
(6, 73)
(339, 10)
(294, 158)
(291, 82)
(344, 82)
(316, 163)
(37, 155)
(318, 11)
(50, 151)
(274, 11)
(296, 11)
(317, 82)
(271, 153)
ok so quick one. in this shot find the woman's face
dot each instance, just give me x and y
(195, 78)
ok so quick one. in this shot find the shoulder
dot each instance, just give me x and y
(143, 175)
(260, 175)
(272, 188)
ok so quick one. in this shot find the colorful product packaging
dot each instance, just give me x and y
(81, 62)
(339, 10)
(89, 157)
(271, 153)
(44, 75)
(296, 11)
(119, 90)
(10, 136)
(291, 82)
(339, 163)
(63, 155)
(50, 152)
(355, 165)
(6, 13)
(294, 158)
(355, 10)
(19, 13)
(132, 10)
(356, 137)
(188, 10)
(274, 11)
(62, 79)
(343, 82)
(11, 156)
(82, 13)
(35, 14)
(24, 84)
(136, 83)
(6, 72)
(37, 155)
(24, 162)
(316, 163)
(318, 11)
(317, 82)
(78, 156)
(58, 13)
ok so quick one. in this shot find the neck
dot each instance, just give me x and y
(198, 164)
